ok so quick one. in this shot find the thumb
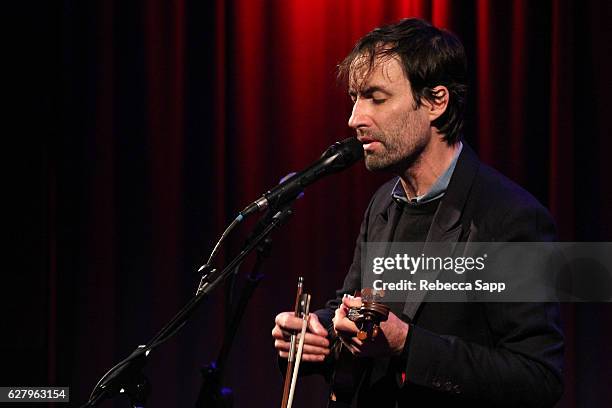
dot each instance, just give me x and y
(351, 301)
(315, 326)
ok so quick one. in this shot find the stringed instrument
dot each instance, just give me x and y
(348, 370)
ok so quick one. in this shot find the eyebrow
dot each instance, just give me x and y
(369, 90)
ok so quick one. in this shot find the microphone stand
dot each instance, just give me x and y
(126, 376)
(212, 393)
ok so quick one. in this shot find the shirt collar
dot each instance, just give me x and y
(436, 191)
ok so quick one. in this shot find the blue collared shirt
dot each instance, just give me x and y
(436, 191)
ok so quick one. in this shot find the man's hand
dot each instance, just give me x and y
(316, 345)
(389, 342)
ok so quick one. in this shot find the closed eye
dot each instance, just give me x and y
(375, 96)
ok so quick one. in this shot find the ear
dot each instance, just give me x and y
(438, 106)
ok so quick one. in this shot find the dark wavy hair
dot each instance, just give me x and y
(430, 57)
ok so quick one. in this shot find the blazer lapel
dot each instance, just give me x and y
(446, 225)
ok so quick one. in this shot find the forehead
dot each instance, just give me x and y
(382, 71)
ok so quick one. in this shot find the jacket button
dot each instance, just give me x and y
(456, 389)
(436, 383)
(448, 386)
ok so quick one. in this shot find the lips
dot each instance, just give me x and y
(366, 139)
(369, 143)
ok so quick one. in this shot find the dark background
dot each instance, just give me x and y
(135, 131)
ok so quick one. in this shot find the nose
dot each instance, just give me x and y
(359, 116)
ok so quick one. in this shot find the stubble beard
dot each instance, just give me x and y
(402, 146)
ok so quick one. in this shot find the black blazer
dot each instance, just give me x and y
(476, 354)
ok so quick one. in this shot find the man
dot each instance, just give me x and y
(408, 85)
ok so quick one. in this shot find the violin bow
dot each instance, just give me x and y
(292, 346)
(305, 304)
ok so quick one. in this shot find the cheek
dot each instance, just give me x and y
(422, 116)
(393, 117)
(400, 109)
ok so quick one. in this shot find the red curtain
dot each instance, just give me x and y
(525, 117)
(173, 115)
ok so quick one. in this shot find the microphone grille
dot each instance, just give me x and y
(351, 150)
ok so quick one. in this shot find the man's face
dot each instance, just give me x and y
(393, 131)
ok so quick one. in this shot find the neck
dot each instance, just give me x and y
(428, 167)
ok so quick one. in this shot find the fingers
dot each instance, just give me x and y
(309, 338)
(345, 328)
(352, 344)
(351, 301)
(342, 325)
(283, 346)
(316, 345)
(288, 321)
(311, 358)
(340, 313)
(287, 324)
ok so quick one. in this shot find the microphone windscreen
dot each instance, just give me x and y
(347, 152)
(354, 149)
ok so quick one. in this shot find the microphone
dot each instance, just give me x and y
(337, 157)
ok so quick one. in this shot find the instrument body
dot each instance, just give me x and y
(349, 369)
